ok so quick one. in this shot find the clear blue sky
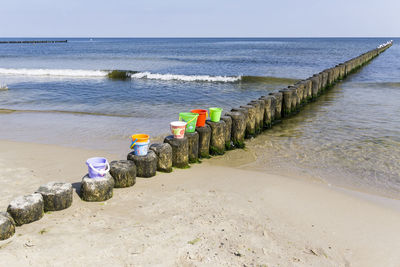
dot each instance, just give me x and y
(199, 18)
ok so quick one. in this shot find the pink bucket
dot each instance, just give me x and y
(178, 129)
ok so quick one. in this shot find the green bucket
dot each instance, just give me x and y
(215, 114)
(190, 119)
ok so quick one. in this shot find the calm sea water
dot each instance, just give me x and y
(59, 93)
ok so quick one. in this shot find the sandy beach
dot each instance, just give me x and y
(268, 140)
(209, 215)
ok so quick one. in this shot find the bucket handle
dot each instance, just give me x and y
(133, 143)
(101, 172)
(187, 122)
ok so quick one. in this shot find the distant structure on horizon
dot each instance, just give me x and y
(33, 42)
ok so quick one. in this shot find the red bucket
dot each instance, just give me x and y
(201, 120)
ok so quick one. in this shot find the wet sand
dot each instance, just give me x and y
(208, 215)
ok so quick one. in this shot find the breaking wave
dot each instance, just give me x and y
(55, 72)
(118, 74)
(133, 75)
(185, 78)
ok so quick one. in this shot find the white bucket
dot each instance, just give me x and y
(178, 129)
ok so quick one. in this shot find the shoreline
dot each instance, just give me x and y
(185, 216)
(231, 159)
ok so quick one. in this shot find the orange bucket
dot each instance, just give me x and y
(139, 138)
(201, 120)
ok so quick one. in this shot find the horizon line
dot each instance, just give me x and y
(199, 37)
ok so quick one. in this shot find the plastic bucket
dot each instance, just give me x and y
(201, 120)
(141, 148)
(141, 138)
(215, 114)
(190, 119)
(97, 167)
(178, 129)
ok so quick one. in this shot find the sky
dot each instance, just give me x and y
(200, 18)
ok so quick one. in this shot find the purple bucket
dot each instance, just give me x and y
(97, 167)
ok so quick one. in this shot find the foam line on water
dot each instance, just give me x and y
(54, 72)
(9, 111)
(123, 74)
(186, 78)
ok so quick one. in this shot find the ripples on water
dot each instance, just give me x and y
(350, 137)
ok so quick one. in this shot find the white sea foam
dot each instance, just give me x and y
(55, 72)
(3, 87)
(186, 78)
(385, 44)
(103, 73)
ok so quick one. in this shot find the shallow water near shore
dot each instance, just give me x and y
(324, 142)
(350, 137)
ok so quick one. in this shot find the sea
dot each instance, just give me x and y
(60, 93)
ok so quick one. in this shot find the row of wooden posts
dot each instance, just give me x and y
(214, 138)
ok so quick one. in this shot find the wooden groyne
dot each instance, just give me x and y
(246, 121)
(34, 42)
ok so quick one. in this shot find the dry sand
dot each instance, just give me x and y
(208, 215)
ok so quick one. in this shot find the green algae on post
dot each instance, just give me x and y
(97, 190)
(194, 241)
(123, 172)
(217, 140)
(204, 140)
(193, 140)
(120, 74)
(180, 151)
(228, 131)
(238, 128)
(56, 195)
(164, 156)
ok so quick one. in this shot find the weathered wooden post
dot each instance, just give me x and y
(331, 80)
(287, 102)
(295, 99)
(251, 121)
(238, 128)
(260, 105)
(146, 166)
(305, 91)
(271, 112)
(315, 85)
(164, 156)
(324, 75)
(97, 190)
(301, 92)
(228, 131)
(26, 209)
(308, 83)
(276, 106)
(193, 140)
(335, 74)
(259, 115)
(204, 140)
(249, 112)
(341, 70)
(245, 113)
(347, 68)
(267, 111)
(320, 81)
(56, 195)
(7, 226)
(180, 151)
(123, 172)
(217, 141)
